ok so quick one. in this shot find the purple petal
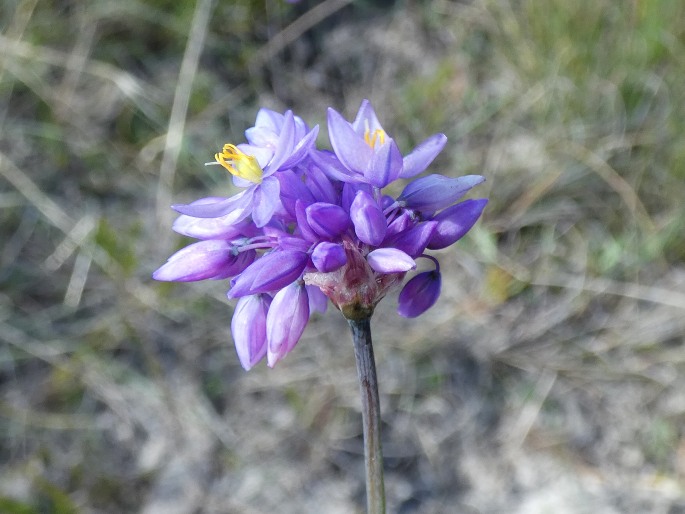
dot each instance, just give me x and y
(291, 190)
(328, 257)
(286, 143)
(327, 220)
(455, 221)
(420, 157)
(270, 272)
(419, 294)
(288, 242)
(414, 240)
(301, 149)
(263, 156)
(366, 119)
(212, 228)
(269, 119)
(287, 318)
(403, 222)
(333, 168)
(349, 192)
(266, 201)
(390, 260)
(248, 327)
(368, 219)
(302, 223)
(318, 302)
(265, 137)
(349, 146)
(435, 192)
(198, 261)
(235, 208)
(320, 185)
(385, 166)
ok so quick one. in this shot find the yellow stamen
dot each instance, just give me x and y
(371, 138)
(240, 164)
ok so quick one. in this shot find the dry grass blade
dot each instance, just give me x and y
(52, 212)
(174, 137)
(293, 31)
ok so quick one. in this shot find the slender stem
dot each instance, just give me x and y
(371, 415)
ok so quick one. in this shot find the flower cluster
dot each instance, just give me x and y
(312, 224)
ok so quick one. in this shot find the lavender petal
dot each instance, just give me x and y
(385, 165)
(235, 208)
(328, 220)
(390, 260)
(434, 192)
(248, 327)
(198, 261)
(420, 157)
(349, 146)
(287, 318)
(454, 222)
(368, 219)
(328, 257)
(266, 201)
(414, 240)
(270, 272)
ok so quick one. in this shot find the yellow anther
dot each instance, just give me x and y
(240, 164)
(371, 138)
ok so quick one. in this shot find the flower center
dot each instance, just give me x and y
(240, 164)
(371, 138)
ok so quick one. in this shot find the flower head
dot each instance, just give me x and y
(311, 224)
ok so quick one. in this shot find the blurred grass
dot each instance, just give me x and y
(560, 330)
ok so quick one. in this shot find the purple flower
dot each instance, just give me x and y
(277, 146)
(311, 226)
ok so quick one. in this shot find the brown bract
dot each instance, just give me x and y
(355, 288)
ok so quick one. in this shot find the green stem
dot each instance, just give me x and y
(371, 415)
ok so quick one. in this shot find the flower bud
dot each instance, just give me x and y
(368, 219)
(287, 318)
(419, 294)
(248, 327)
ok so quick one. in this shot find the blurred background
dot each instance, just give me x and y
(549, 377)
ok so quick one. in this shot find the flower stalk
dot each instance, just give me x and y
(371, 414)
